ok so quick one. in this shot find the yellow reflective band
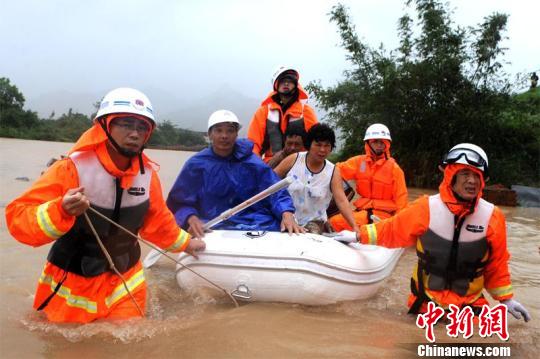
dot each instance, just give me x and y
(45, 222)
(372, 234)
(120, 291)
(501, 291)
(71, 300)
(180, 240)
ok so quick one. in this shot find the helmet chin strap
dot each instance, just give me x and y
(383, 152)
(289, 94)
(122, 151)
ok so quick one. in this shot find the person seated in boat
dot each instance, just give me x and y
(380, 182)
(294, 142)
(460, 239)
(105, 172)
(284, 108)
(224, 175)
(315, 180)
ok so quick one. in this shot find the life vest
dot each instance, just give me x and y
(453, 252)
(311, 192)
(78, 251)
(375, 186)
(274, 138)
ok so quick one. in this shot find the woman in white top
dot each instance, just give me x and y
(316, 180)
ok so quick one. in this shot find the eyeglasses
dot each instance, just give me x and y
(473, 158)
(132, 124)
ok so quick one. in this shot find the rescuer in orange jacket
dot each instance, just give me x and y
(380, 182)
(283, 109)
(106, 170)
(460, 239)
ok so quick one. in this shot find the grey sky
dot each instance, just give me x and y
(187, 49)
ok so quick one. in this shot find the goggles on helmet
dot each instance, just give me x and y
(288, 75)
(472, 157)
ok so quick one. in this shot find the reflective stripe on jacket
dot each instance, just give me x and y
(450, 260)
(82, 300)
(78, 251)
(37, 218)
(404, 229)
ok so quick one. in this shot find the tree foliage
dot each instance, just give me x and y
(443, 85)
(12, 113)
(167, 134)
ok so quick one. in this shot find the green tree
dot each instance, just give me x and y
(10, 97)
(12, 114)
(442, 86)
(168, 134)
(69, 126)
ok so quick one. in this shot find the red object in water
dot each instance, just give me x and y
(500, 195)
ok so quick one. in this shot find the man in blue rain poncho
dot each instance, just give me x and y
(224, 175)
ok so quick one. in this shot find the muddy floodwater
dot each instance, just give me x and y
(197, 326)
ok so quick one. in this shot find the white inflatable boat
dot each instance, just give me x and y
(275, 267)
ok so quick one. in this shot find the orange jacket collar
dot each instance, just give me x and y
(371, 155)
(95, 139)
(447, 194)
(302, 95)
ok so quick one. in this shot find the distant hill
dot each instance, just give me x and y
(60, 102)
(195, 115)
(184, 112)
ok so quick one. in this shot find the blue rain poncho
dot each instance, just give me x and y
(209, 184)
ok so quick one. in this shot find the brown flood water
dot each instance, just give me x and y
(195, 326)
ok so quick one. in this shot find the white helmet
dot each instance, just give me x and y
(468, 154)
(222, 116)
(126, 100)
(279, 71)
(377, 131)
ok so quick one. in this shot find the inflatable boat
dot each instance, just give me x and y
(276, 267)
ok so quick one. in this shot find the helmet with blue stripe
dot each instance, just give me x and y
(126, 100)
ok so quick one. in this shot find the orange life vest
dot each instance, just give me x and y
(274, 137)
(374, 184)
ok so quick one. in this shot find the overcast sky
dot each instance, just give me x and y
(189, 48)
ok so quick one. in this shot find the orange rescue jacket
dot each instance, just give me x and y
(258, 131)
(380, 183)
(405, 228)
(37, 218)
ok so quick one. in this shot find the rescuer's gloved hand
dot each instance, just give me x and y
(345, 237)
(516, 309)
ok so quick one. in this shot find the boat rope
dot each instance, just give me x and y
(111, 262)
(156, 248)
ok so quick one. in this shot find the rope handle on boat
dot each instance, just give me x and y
(154, 247)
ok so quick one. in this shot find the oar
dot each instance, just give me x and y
(154, 255)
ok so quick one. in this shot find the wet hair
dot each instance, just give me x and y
(295, 131)
(320, 132)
